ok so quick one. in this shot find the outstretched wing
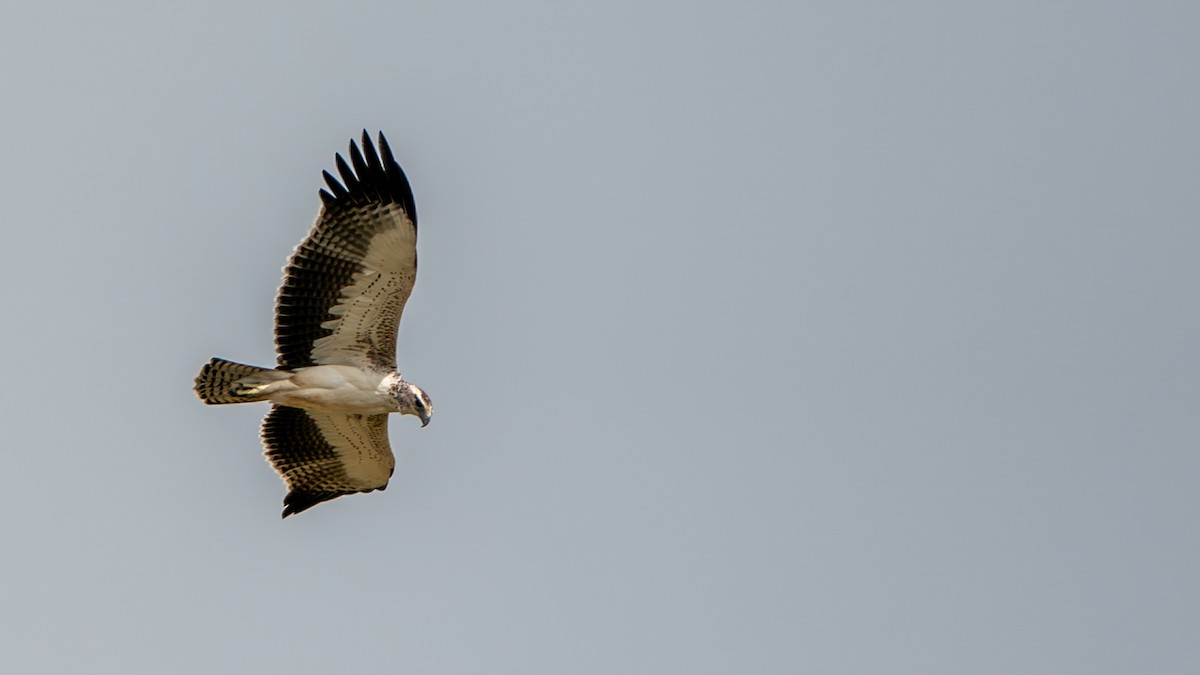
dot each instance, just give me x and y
(345, 286)
(322, 456)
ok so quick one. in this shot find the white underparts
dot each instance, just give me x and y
(336, 388)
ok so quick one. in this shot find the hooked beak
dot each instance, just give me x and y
(424, 421)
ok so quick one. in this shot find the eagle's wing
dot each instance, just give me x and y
(346, 284)
(323, 456)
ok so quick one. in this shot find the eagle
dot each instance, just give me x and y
(336, 319)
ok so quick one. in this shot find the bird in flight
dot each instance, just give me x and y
(336, 319)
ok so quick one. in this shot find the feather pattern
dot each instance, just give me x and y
(322, 456)
(346, 284)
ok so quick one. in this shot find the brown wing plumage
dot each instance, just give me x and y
(322, 456)
(345, 286)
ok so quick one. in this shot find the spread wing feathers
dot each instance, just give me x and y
(322, 456)
(345, 286)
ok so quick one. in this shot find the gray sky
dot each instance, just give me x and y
(764, 337)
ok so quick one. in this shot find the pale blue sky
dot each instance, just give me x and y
(765, 337)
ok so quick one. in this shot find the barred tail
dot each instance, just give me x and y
(215, 382)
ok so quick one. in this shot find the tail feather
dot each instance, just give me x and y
(214, 384)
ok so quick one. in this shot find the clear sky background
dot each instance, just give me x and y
(764, 337)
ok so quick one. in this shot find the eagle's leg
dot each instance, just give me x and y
(260, 386)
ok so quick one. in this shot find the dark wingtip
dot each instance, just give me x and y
(386, 151)
(372, 156)
(356, 159)
(334, 185)
(298, 501)
(371, 175)
(348, 178)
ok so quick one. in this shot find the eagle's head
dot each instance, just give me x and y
(411, 400)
